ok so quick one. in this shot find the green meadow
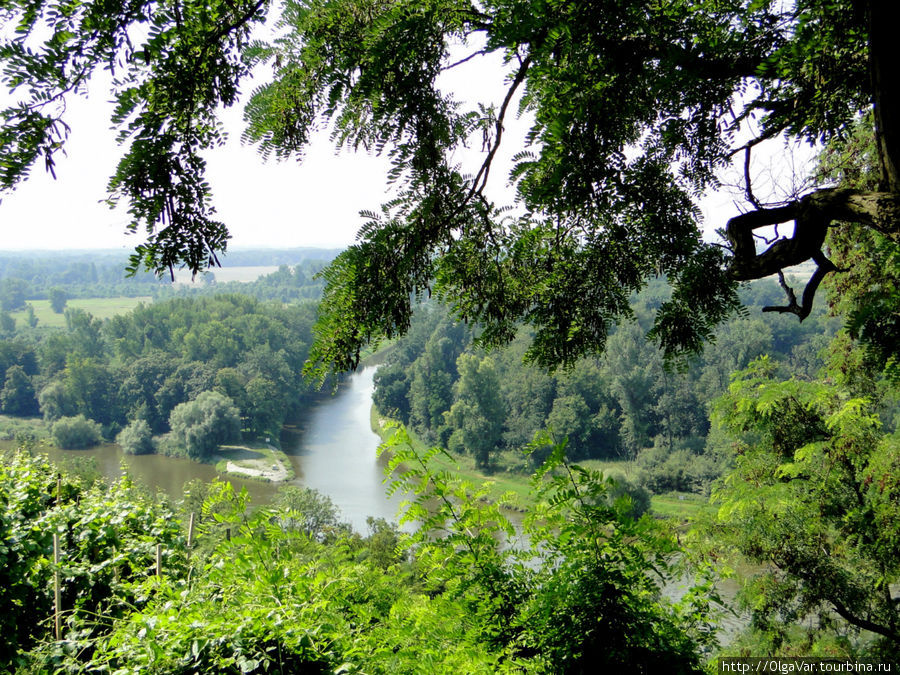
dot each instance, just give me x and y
(102, 308)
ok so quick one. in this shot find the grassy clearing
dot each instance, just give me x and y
(256, 461)
(618, 468)
(101, 308)
(680, 507)
(10, 427)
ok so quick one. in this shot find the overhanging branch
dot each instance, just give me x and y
(813, 214)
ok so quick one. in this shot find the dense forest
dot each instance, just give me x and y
(626, 404)
(234, 355)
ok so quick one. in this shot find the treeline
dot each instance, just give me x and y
(214, 353)
(99, 275)
(80, 275)
(288, 283)
(623, 405)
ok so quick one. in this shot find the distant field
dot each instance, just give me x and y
(102, 308)
(224, 274)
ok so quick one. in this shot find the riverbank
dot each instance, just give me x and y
(258, 461)
(680, 507)
(500, 483)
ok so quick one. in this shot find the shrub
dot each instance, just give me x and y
(136, 438)
(75, 433)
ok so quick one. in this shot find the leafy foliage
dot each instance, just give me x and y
(255, 593)
(75, 433)
(107, 535)
(812, 497)
(203, 424)
(633, 109)
(136, 438)
(582, 586)
(17, 396)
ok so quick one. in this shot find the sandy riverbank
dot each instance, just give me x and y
(260, 462)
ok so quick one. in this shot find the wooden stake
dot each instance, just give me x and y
(159, 560)
(58, 488)
(57, 628)
(190, 532)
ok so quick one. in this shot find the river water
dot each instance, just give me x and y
(332, 447)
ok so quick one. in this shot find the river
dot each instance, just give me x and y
(332, 448)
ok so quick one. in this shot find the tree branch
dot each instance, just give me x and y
(860, 622)
(802, 310)
(485, 169)
(480, 52)
(812, 215)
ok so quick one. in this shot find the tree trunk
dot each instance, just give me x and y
(885, 90)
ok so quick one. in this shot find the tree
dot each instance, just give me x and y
(30, 317)
(84, 331)
(58, 299)
(635, 107)
(56, 401)
(265, 408)
(89, 387)
(633, 114)
(815, 497)
(203, 424)
(17, 396)
(434, 371)
(136, 438)
(477, 414)
(12, 294)
(306, 510)
(7, 323)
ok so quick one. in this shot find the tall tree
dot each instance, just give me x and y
(58, 299)
(476, 416)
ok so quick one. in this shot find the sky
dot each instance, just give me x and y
(264, 204)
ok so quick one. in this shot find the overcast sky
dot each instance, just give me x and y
(272, 204)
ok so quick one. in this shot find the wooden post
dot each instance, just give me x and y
(190, 537)
(191, 531)
(159, 560)
(58, 488)
(227, 534)
(57, 629)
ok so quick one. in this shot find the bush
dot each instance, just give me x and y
(639, 497)
(75, 433)
(136, 438)
(307, 510)
(683, 470)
